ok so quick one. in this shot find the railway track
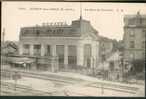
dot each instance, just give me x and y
(115, 87)
(69, 81)
(120, 89)
(9, 89)
(54, 78)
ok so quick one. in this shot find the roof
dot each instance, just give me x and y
(104, 39)
(76, 29)
(135, 15)
(9, 44)
(9, 47)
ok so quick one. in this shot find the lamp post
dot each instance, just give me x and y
(93, 64)
(121, 59)
(102, 86)
(3, 42)
(15, 77)
(103, 60)
(3, 34)
(2, 58)
(122, 67)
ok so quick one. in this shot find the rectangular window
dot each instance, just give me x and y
(131, 22)
(26, 49)
(132, 34)
(72, 50)
(49, 30)
(48, 50)
(132, 44)
(37, 32)
(143, 55)
(72, 55)
(144, 34)
(143, 44)
(60, 53)
(37, 50)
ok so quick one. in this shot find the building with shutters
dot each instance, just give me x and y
(134, 36)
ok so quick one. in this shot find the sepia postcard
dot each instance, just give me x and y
(73, 49)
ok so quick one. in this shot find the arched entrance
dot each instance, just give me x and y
(87, 55)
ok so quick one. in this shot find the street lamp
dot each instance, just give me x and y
(102, 86)
(93, 64)
(15, 77)
(122, 67)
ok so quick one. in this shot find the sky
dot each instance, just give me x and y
(106, 18)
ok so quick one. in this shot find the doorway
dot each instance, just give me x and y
(87, 55)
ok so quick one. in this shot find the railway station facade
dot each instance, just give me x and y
(74, 45)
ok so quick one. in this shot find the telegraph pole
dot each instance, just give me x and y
(80, 17)
(2, 51)
(80, 10)
(3, 34)
(3, 37)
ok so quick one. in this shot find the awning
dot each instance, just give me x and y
(19, 60)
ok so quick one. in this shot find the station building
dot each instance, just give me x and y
(74, 45)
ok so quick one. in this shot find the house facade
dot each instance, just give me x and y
(105, 48)
(134, 36)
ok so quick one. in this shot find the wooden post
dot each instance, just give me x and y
(102, 89)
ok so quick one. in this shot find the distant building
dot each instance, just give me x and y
(105, 48)
(134, 36)
(74, 45)
(9, 47)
